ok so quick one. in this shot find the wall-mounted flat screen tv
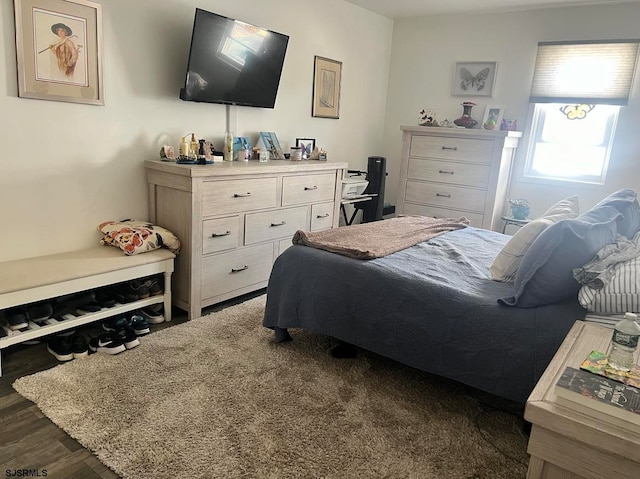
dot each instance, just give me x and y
(233, 62)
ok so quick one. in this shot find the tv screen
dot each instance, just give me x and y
(233, 62)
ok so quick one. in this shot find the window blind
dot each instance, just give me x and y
(598, 72)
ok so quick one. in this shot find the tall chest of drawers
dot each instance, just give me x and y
(235, 218)
(449, 172)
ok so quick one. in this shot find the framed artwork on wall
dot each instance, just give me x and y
(474, 78)
(326, 88)
(59, 50)
(492, 117)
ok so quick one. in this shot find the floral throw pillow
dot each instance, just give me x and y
(134, 237)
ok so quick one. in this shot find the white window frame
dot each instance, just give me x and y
(537, 126)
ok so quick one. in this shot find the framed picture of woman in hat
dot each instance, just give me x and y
(59, 50)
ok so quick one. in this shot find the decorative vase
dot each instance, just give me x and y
(465, 120)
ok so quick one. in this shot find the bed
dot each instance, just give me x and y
(434, 306)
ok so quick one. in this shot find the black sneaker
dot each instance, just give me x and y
(3, 333)
(108, 343)
(79, 346)
(151, 315)
(16, 319)
(115, 323)
(154, 286)
(40, 311)
(60, 347)
(128, 337)
(137, 288)
(139, 325)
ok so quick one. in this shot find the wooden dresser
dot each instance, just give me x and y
(450, 172)
(235, 218)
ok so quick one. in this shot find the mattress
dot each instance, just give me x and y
(432, 306)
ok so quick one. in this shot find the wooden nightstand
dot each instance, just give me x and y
(567, 444)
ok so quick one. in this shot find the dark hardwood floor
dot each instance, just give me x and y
(30, 444)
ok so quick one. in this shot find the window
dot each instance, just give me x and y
(571, 149)
(577, 91)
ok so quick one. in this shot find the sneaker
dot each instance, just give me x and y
(79, 346)
(40, 311)
(138, 288)
(108, 343)
(60, 347)
(105, 297)
(128, 337)
(16, 319)
(154, 286)
(151, 315)
(3, 333)
(115, 323)
(139, 325)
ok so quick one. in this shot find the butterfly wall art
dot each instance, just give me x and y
(307, 145)
(474, 78)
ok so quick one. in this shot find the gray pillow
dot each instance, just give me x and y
(545, 274)
(626, 202)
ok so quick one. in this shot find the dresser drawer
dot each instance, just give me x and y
(220, 234)
(274, 224)
(234, 196)
(308, 189)
(321, 216)
(240, 268)
(283, 245)
(449, 172)
(447, 196)
(433, 212)
(462, 149)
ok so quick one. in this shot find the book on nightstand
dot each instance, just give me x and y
(597, 363)
(599, 397)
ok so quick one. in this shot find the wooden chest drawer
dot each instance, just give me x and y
(321, 216)
(446, 196)
(274, 224)
(305, 189)
(234, 196)
(449, 172)
(462, 149)
(421, 210)
(240, 268)
(220, 234)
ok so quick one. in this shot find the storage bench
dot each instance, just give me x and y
(30, 280)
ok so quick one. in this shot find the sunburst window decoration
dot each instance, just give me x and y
(576, 112)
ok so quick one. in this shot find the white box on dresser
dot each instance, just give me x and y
(235, 218)
(452, 172)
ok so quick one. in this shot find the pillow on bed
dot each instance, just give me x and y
(545, 275)
(134, 237)
(626, 202)
(506, 264)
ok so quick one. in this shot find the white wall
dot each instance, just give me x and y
(425, 50)
(67, 167)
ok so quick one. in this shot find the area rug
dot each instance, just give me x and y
(216, 397)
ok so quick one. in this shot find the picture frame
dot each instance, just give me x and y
(59, 50)
(271, 144)
(327, 76)
(474, 78)
(241, 143)
(492, 117)
(307, 145)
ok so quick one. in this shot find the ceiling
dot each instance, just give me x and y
(409, 8)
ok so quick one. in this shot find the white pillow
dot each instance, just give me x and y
(506, 264)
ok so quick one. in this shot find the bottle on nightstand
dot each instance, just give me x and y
(624, 343)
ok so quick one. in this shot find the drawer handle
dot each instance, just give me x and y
(307, 188)
(241, 195)
(452, 148)
(217, 235)
(279, 224)
(443, 195)
(445, 172)
(233, 270)
(326, 215)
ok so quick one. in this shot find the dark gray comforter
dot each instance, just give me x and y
(431, 306)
